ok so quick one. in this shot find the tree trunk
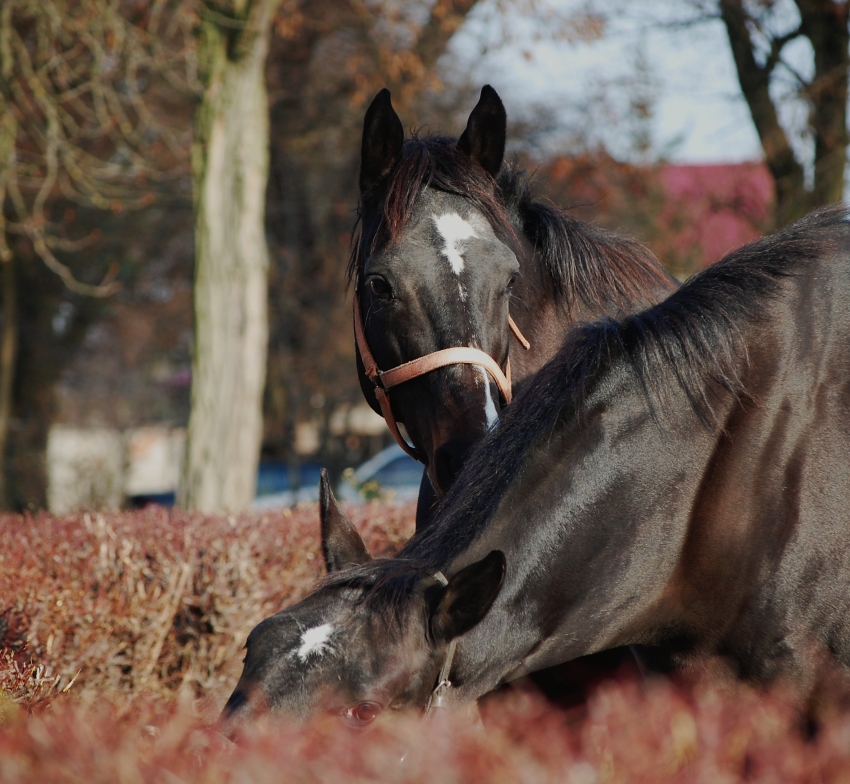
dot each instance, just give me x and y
(787, 173)
(230, 169)
(824, 23)
(8, 360)
(9, 333)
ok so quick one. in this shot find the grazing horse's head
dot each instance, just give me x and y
(371, 640)
(434, 262)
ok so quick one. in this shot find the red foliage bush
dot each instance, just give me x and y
(149, 610)
(653, 733)
(159, 600)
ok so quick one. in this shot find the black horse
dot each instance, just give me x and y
(678, 479)
(448, 242)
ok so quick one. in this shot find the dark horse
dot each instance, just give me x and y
(678, 479)
(448, 242)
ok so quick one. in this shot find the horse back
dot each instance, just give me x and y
(767, 557)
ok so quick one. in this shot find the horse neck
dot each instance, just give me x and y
(633, 528)
(536, 311)
(591, 600)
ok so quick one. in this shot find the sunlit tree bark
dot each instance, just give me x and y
(230, 169)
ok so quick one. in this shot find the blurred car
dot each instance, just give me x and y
(275, 486)
(391, 475)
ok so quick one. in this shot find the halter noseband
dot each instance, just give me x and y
(384, 380)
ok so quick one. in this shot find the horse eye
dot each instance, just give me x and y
(380, 287)
(512, 281)
(362, 714)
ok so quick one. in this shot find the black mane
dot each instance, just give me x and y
(585, 264)
(695, 339)
(384, 585)
(434, 162)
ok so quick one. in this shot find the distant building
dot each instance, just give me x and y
(690, 215)
(712, 209)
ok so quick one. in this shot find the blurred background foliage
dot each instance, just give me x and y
(98, 103)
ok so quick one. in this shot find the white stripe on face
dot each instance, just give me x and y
(453, 229)
(315, 641)
(490, 410)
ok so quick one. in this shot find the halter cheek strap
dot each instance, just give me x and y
(438, 697)
(384, 380)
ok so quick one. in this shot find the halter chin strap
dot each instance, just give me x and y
(437, 698)
(384, 380)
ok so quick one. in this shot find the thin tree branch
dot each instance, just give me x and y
(105, 288)
(445, 19)
(81, 123)
(776, 46)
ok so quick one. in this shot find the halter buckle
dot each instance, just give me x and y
(439, 697)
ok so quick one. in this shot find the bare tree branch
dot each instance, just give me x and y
(446, 17)
(776, 46)
(77, 120)
(786, 170)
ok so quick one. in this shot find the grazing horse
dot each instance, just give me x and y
(449, 245)
(678, 479)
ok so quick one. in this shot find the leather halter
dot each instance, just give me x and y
(437, 698)
(384, 380)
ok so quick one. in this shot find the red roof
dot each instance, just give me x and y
(689, 215)
(715, 207)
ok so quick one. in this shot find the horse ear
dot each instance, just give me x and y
(341, 544)
(468, 597)
(383, 137)
(484, 137)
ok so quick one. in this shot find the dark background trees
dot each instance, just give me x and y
(93, 99)
(759, 36)
(110, 191)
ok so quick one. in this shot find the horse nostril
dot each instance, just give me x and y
(448, 460)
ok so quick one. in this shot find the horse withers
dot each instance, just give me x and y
(449, 248)
(676, 480)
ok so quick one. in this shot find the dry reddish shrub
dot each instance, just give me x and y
(159, 600)
(149, 611)
(647, 734)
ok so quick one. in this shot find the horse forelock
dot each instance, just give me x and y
(384, 587)
(426, 162)
(695, 341)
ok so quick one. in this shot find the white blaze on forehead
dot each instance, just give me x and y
(315, 640)
(453, 230)
(490, 411)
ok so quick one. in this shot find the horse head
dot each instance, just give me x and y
(369, 642)
(434, 264)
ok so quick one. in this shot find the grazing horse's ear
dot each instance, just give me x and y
(383, 137)
(484, 137)
(341, 544)
(468, 597)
